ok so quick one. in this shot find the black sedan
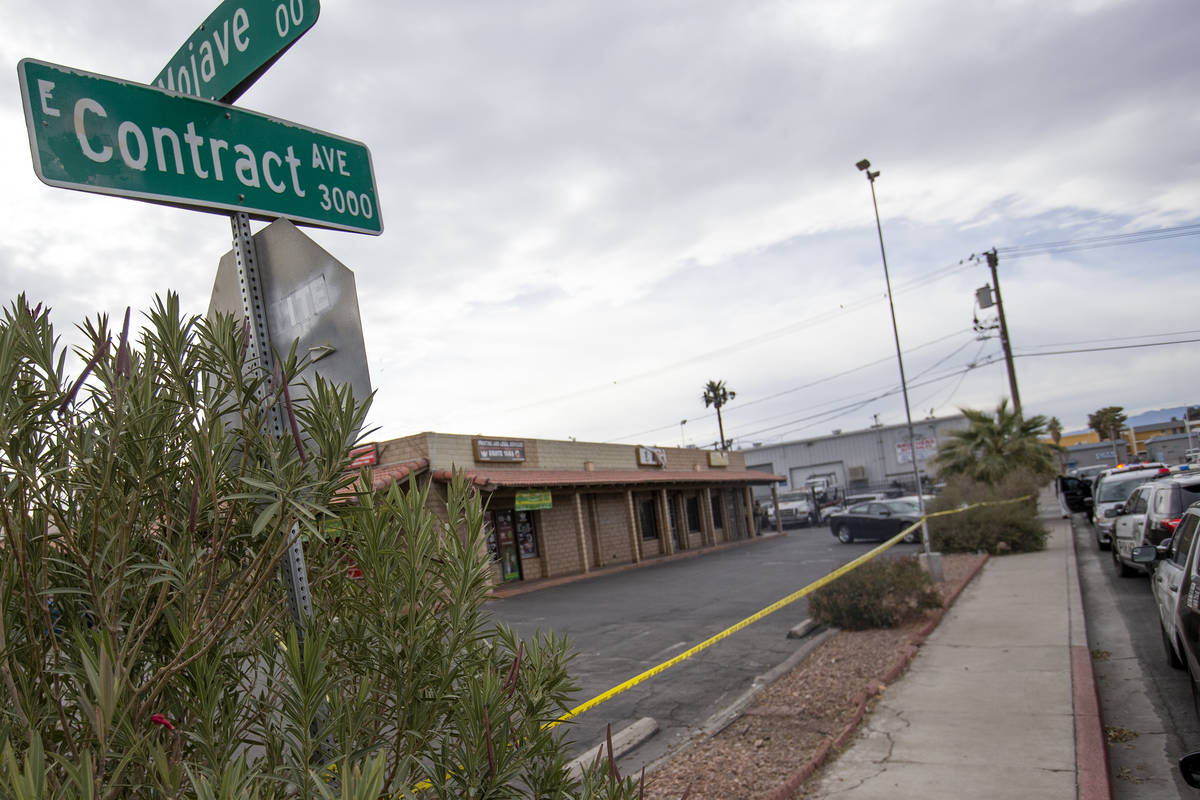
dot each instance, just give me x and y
(878, 519)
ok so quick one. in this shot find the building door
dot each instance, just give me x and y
(506, 546)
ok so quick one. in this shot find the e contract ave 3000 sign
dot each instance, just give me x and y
(98, 134)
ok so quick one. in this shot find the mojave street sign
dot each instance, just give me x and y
(236, 44)
(99, 134)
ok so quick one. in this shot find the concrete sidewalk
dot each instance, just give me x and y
(999, 703)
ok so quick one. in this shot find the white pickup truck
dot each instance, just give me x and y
(795, 508)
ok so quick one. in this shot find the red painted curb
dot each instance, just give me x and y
(893, 672)
(1091, 754)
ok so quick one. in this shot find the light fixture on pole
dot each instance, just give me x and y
(865, 166)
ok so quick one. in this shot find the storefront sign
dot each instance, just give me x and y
(926, 449)
(651, 457)
(716, 459)
(511, 450)
(533, 501)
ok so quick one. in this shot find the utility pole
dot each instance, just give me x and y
(993, 260)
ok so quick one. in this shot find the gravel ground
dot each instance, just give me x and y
(794, 719)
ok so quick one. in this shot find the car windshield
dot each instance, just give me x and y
(1117, 488)
(904, 506)
(793, 497)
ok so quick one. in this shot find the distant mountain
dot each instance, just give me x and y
(1154, 417)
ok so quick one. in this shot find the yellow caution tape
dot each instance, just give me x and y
(771, 609)
(750, 620)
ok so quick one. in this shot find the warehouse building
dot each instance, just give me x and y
(558, 508)
(875, 459)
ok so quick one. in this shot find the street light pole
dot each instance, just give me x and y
(865, 166)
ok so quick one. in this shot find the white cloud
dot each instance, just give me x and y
(592, 209)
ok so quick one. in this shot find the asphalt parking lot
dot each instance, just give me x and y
(625, 623)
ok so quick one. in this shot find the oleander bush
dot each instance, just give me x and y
(147, 648)
(881, 593)
(1007, 527)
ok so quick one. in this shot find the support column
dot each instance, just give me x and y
(707, 530)
(581, 534)
(752, 526)
(635, 538)
(664, 533)
(778, 516)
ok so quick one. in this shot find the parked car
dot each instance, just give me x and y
(795, 508)
(1151, 514)
(1177, 594)
(848, 501)
(1112, 488)
(1074, 492)
(877, 519)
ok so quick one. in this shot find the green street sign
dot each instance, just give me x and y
(235, 45)
(98, 134)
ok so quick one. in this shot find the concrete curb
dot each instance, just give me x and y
(724, 718)
(862, 700)
(1093, 781)
(623, 741)
(728, 715)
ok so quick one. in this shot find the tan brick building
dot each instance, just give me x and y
(560, 508)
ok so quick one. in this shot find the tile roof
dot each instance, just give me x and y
(501, 478)
(398, 473)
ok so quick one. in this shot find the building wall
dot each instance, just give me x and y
(1080, 437)
(602, 514)
(858, 459)
(458, 450)
(560, 542)
(1090, 455)
(1170, 449)
(610, 530)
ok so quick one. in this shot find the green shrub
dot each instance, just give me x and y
(881, 593)
(146, 646)
(1012, 527)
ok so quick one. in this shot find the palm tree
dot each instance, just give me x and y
(1054, 428)
(716, 394)
(992, 447)
(1107, 422)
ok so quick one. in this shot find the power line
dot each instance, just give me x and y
(1115, 339)
(813, 383)
(1100, 349)
(834, 413)
(1096, 242)
(824, 316)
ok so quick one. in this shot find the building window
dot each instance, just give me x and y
(649, 519)
(693, 513)
(718, 514)
(526, 535)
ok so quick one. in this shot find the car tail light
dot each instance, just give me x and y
(1169, 525)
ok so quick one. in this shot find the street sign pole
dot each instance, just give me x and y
(293, 569)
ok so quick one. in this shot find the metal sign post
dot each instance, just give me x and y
(262, 360)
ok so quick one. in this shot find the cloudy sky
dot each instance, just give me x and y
(593, 208)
